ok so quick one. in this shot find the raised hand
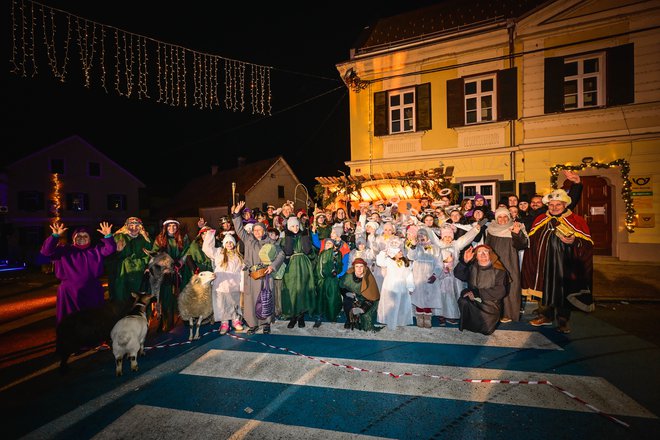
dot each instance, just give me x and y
(58, 228)
(572, 176)
(468, 254)
(105, 228)
(236, 209)
(516, 227)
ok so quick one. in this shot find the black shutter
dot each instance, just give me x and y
(505, 188)
(455, 103)
(507, 94)
(620, 75)
(380, 114)
(527, 190)
(553, 97)
(423, 106)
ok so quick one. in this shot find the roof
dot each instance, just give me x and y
(443, 18)
(212, 190)
(71, 140)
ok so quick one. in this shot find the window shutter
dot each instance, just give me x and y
(526, 189)
(620, 71)
(455, 103)
(380, 114)
(553, 101)
(507, 94)
(505, 188)
(423, 106)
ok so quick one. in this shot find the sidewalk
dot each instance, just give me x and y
(616, 280)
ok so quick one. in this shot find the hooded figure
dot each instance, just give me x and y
(361, 297)
(481, 303)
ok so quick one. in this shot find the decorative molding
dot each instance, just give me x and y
(482, 135)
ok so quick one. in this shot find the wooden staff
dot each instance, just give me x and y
(233, 193)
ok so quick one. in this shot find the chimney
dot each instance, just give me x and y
(241, 161)
(214, 170)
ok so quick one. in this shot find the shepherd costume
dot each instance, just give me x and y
(361, 293)
(489, 286)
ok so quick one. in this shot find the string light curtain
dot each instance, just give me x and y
(139, 66)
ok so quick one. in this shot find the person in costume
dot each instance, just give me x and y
(559, 261)
(299, 294)
(172, 240)
(361, 297)
(395, 306)
(328, 271)
(537, 206)
(321, 226)
(487, 279)
(507, 237)
(196, 259)
(450, 286)
(426, 255)
(78, 267)
(228, 282)
(126, 266)
(253, 243)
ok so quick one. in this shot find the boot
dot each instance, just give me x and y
(428, 320)
(301, 320)
(292, 323)
(420, 318)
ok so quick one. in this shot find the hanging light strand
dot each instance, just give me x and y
(168, 66)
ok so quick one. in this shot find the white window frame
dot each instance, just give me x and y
(580, 77)
(478, 189)
(401, 109)
(478, 95)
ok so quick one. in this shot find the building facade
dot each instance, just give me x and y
(71, 182)
(510, 95)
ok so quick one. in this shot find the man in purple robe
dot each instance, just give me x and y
(78, 266)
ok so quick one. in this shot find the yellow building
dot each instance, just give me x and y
(507, 97)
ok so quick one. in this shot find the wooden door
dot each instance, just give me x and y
(596, 207)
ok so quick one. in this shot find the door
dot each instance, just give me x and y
(596, 207)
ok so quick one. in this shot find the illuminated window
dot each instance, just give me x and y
(480, 99)
(402, 111)
(116, 202)
(77, 202)
(583, 82)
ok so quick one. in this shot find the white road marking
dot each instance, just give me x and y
(292, 369)
(168, 423)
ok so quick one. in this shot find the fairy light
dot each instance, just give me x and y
(56, 196)
(170, 65)
(626, 188)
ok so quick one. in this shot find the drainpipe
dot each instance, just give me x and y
(511, 27)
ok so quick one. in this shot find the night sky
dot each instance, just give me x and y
(309, 124)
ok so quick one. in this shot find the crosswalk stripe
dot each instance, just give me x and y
(167, 423)
(299, 370)
(436, 335)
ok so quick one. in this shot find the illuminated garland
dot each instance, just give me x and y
(626, 190)
(174, 70)
(56, 197)
(429, 183)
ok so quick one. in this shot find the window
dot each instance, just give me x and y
(116, 202)
(77, 202)
(481, 99)
(30, 201)
(280, 191)
(57, 166)
(94, 169)
(583, 82)
(403, 110)
(605, 78)
(486, 189)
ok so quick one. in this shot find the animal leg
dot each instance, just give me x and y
(134, 365)
(118, 365)
(191, 321)
(199, 323)
(141, 351)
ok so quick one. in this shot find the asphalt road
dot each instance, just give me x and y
(334, 383)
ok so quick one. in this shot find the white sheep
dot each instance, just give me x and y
(129, 333)
(195, 301)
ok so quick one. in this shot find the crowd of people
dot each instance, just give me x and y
(374, 266)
